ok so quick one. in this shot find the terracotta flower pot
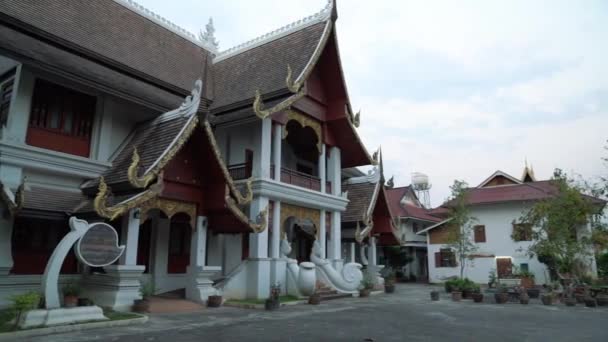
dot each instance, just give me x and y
(466, 294)
(389, 288)
(214, 301)
(456, 296)
(141, 305)
(547, 299)
(527, 282)
(477, 297)
(501, 297)
(435, 295)
(570, 301)
(524, 299)
(590, 302)
(364, 292)
(70, 301)
(315, 299)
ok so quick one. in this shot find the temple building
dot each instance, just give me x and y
(221, 171)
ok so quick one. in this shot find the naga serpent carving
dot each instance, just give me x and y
(346, 282)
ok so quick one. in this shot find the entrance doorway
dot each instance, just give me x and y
(302, 235)
(504, 267)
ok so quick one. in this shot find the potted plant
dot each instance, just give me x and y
(468, 287)
(492, 278)
(435, 295)
(314, 299)
(547, 298)
(214, 301)
(146, 290)
(590, 302)
(457, 290)
(526, 279)
(273, 303)
(501, 296)
(477, 295)
(70, 294)
(389, 280)
(523, 296)
(367, 284)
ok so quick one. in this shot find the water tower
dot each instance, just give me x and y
(420, 184)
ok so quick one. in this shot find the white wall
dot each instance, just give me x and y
(237, 139)
(406, 227)
(498, 225)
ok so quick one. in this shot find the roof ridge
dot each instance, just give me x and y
(322, 15)
(169, 25)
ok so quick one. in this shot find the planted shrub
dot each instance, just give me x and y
(23, 303)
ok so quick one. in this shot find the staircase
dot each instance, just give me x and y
(326, 293)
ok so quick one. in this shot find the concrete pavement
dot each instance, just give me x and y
(408, 314)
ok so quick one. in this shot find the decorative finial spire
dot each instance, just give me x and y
(209, 35)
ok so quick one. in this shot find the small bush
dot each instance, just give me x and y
(71, 289)
(23, 303)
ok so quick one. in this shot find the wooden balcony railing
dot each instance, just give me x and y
(240, 171)
(293, 177)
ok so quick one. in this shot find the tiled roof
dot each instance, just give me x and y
(360, 197)
(407, 210)
(111, 31)
(264, 67)
(47, 199)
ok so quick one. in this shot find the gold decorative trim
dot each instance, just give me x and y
(240, 199)
(355, 119)
(169, 208)
(15, 204)
(376, 157)
(262, 217)
(258, 104)
(306, 121)
(300, 213)
(361, 235)
(293, 87)
(132, 171)
(111, 213)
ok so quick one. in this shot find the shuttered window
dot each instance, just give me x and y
(7, 83)
(445, 258)
(480, 233)
(61, 119)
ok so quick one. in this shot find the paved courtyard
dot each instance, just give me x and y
(406, 315)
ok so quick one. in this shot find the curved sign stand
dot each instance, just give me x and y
(96, 246)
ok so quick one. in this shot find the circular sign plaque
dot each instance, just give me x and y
(99, 246)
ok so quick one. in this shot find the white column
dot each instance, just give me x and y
(373, 256)
(258, 272)
(162, 229)
(334, 171)
(261, 155)
(322, 169)
(277, 140)
(276, 229)
(198, 247)
(352, 252)
(322, 233)
(6, 237)
(130, 237)
(258, 242)
(334, 251)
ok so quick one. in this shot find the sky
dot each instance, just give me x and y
(456, 90)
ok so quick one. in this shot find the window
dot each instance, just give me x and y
(7, 82)
(61, 119)
(445, 258)
(522, 232)
(480, 233)
(524, 267)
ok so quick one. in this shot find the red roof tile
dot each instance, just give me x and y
(407, 210)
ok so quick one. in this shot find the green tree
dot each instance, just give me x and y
(559, 226)
(460, 235)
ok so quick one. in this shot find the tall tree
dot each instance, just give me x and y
(460, 236)
(565, 227)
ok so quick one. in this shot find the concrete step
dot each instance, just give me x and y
(166, 305)
(335, 296)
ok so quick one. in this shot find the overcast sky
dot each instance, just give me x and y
(456, 90)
